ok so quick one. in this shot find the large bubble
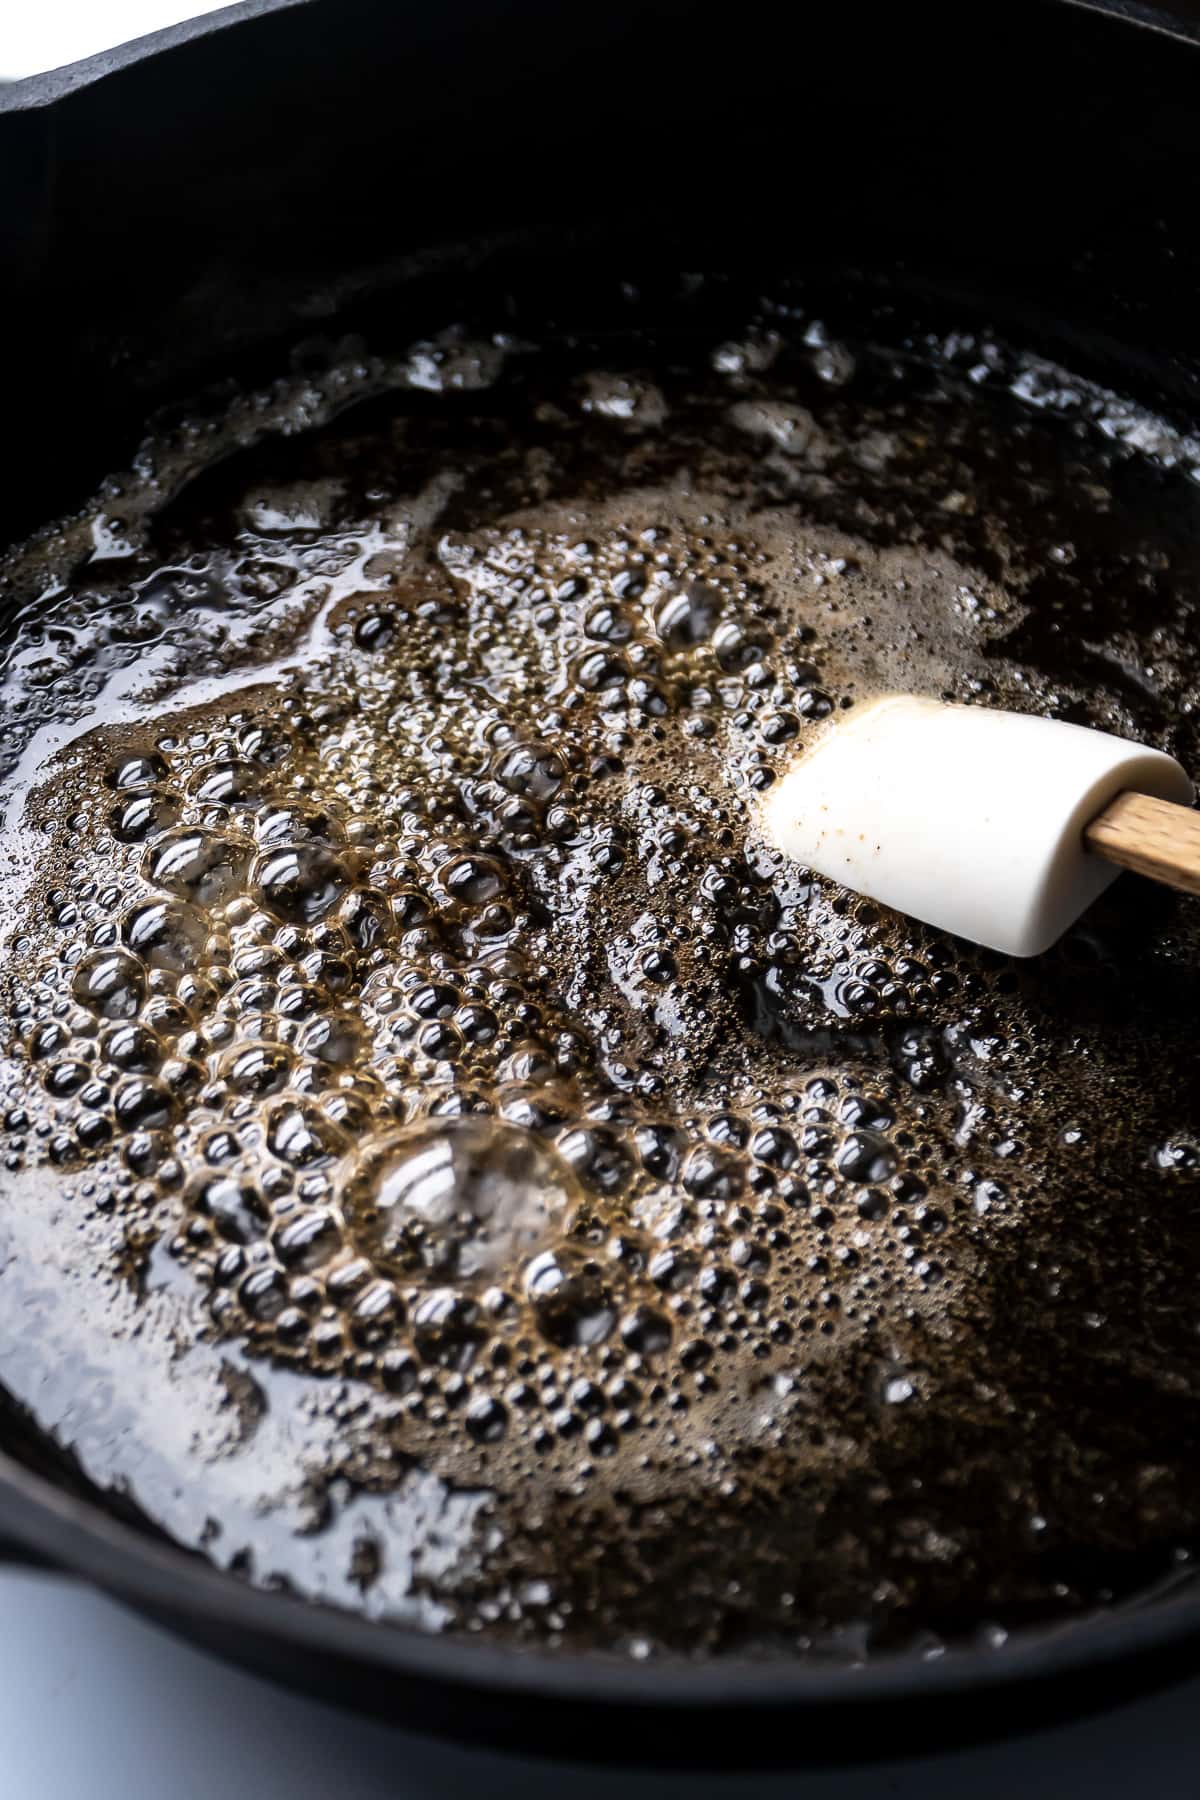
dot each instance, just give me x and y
(457, 1199)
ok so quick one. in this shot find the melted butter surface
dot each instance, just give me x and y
(452, 1166)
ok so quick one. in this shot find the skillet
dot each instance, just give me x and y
(183, 206)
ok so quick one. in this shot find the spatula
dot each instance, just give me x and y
(1001, 827)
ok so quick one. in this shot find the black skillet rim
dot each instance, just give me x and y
(35, 91)
(48, 1527)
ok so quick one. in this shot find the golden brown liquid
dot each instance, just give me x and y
(453, 1165)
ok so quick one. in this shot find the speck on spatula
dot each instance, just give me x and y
(1000, 827)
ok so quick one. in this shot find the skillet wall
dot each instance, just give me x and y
(162, 218)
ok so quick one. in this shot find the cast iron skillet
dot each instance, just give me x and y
(181, 206)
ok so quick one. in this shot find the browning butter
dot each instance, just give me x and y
(454, 1168)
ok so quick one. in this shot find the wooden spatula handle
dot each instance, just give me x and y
(1152, 837)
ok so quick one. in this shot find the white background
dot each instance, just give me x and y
(45, 34)
(95, 1705)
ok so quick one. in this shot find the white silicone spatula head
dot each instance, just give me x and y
(963, 817)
